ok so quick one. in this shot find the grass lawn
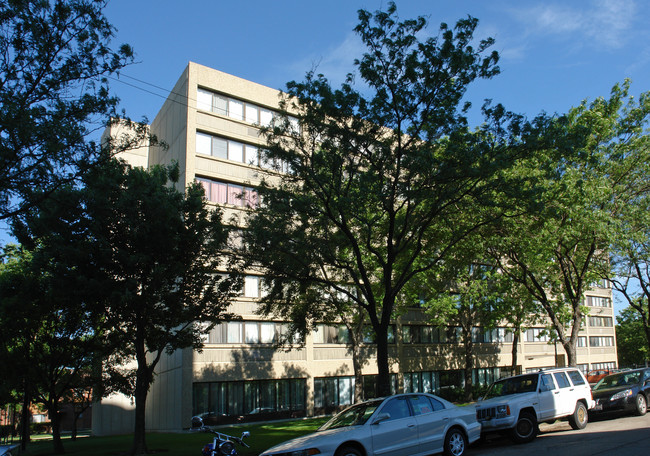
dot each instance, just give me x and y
(263, 436)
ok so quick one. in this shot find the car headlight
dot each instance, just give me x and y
(621, 395)
(307, 452)
(502, 411)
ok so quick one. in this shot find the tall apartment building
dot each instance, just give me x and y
(209, 122)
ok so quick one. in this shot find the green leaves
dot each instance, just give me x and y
(53, 94)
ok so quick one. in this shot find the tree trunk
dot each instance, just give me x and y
(515, 344)
(469, 365)
(55, 421)
(141, 391)
(358, 375)
(383, 373)
(24, 420)
(570, 348)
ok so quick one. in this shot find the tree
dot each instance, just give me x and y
(631, 342)
(54, 64)
(462, 295)
(630, 252)
(149, 255)
(583, 176)
(372, 184)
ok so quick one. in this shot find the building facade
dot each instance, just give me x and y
(210, 124)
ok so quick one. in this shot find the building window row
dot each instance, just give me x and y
(601, 341)
(421, 334)
(227, 149)
(491, 336)
(537, 335)
(237, 109)
(597, 301)
(338, 334)
(246, 332)
(233, 108)
(228, 402)
(422, 382)
(227, 193)
(606, 322)
(334, 393)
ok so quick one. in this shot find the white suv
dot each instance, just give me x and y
(517, 404)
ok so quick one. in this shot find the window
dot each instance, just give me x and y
(226, 149)
(227, 193)
(576, 378)
(235, 109)
(582, 341)
(234, 332)
(422, 405)
(331, 334)
(397, 408)
(228, 401)
(601, 341)
(252, 333)
(497, 335)
(333, 392)
(252, 287)
(601, 321)
(562, 380)
(547, 383)
(421, 382)
(249, 332)
(485, 376)
(597, 301)
(537, 335)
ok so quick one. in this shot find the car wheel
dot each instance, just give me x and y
(580, 417)
(348, 451)
(455, 442)
(525, 429)
(641, 405)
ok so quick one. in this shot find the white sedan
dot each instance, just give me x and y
(401, 425)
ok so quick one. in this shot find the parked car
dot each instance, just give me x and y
(400, 425)
(627, 391)
(516, 405)
(594, 376)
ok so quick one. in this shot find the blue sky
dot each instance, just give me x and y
(553, 53)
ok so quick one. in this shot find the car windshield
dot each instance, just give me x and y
(621, 379)
(353, 416)
(513, 385)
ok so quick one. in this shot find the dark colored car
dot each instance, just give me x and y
(623, 391)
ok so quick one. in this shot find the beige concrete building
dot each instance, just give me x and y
(210, 124)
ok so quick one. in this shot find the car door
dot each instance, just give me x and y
(547, 391)
(565, 402)
(397, 433)
(432, 419)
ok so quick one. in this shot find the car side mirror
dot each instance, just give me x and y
(381, 417)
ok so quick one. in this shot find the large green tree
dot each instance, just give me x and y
(54, 63)
(48, 337)
(558, 243)
(631, 341)
(378, 177)
(149, 255)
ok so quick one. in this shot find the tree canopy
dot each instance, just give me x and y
(54, 62)
(144, 258)
(378, 185)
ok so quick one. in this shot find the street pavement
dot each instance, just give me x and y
(619, 435)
